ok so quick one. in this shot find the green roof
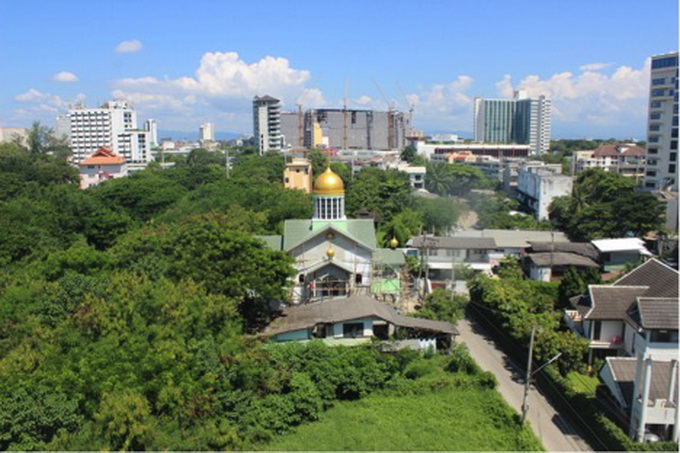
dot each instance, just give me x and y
(298, 231)
(274, 242)
(389, 257)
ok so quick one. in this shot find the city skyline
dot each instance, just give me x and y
(185, 64)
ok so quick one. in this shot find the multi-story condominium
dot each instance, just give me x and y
(267, 123)
(538, 184)
(114, 126)
(518, 120)
(206, 133)
(662, 124)
(623, 158)
(345, 129)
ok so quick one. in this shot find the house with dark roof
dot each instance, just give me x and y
(627, 159)
(548, 261)
(636, 318)
(357, 319)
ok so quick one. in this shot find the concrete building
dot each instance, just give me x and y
(661, 171)
(298, 175)
(626, 159)
(151, 126)
(62, 127)
(538, 184)
(206, 132)
(518, 120)
(346, 129)
(10, 134)
(114, 126)
(439, 152)
(267, 123)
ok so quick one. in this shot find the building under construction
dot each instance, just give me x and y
(345, 129)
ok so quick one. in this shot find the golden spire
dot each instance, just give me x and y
(394, 243)
(329, 183)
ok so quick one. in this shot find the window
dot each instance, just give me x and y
(652, 151)
(666, 62)
(432, 252)
(651, 173)
(654, 139)
(358, 279)
(674, 157)
(597, 330)
(654, 127)
(674, 144)
(353, 330)
(301, 278)
(287, 180)
(659, 81)
(655, 104)
(657, 92)
(671, 168)
(655, 116)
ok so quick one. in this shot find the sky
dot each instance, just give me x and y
(187, 62)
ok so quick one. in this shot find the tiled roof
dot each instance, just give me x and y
(658, 313)
(661, 279)
(460, 243)
(613, 302)
(514, 238)
(580, 248)
(560, 259)
(623, 370)
(613, 151)
(336, 310)
(103, 156)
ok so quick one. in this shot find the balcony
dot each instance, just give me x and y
(656, 350)
(659, 411)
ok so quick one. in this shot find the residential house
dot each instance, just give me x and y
(357, 319)
(548, 261)
(442, 255)
(616, 253)
(511, 242)
(101, 166)
(538, 184)
(626, 159)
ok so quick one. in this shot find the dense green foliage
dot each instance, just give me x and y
(453, 179)
(441, 305)
(494, 212)
(606, 205)
(437, 404)
(517, 304)
(575, 282)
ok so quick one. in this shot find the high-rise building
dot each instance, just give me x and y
(152, 127)
(519, 120)
(114, 126)
(267, 123)
(661, 170)
(206, 132)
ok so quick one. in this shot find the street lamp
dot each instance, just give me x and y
(530, 374)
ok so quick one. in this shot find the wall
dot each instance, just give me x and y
(296, 335)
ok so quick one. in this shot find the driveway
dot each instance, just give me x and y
(550, 427)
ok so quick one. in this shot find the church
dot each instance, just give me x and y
(336, 256)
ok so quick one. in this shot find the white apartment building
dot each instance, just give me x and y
(538, 184)
(661, 170)
(518, 120)
(626, 159)
(114, 126)
(206, 133)
(267, 123)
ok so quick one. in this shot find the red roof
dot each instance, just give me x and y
(103, 156)
(620, 149)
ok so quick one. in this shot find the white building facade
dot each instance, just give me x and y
(661, 170)
(538, 184)
(114, 126)
(267, 123)
(206, 133)
(518, 120)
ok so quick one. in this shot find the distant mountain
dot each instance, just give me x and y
(193, 135)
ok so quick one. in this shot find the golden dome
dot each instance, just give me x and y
(330, 252)
(394, 242)
(329, 183)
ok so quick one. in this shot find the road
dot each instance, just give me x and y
(550, 427)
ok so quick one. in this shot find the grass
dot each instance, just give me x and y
(583, 383)
(452, 419)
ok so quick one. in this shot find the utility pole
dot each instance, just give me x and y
(527, 383)
(226, 162)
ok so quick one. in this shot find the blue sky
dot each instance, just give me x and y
(186, 62)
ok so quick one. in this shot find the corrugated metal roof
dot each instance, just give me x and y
(580, 248)
(359, 230)
(273, 241)
(620, 245)
(389, 257)
(515, 238)
(560, 259)
(459, 243)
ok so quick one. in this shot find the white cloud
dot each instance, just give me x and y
(594, 66)
(65, 76)
(591, 99)
(222, 82)
(129, 46)
(444, 106)
(42, 106)
(363, 100)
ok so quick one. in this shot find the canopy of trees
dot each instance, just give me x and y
(606, 205)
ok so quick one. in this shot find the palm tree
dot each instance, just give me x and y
(438, 178)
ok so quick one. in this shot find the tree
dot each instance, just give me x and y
(409, 153)
(382, 192)
(441, 305)
(440, 214)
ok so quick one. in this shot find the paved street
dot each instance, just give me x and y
(552, 429)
